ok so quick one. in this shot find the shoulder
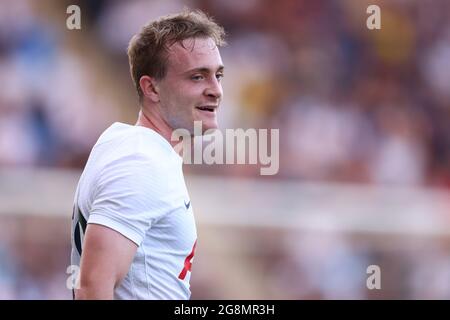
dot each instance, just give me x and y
(127, 155)
(145, 142)
(136, 169)
(122, 143)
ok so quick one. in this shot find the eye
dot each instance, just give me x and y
(197, 77)
(219, 76)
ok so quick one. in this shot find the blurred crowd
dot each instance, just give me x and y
(352, 104)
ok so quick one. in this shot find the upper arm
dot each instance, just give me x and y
(106, 259)
(127, 200)
(130, 195)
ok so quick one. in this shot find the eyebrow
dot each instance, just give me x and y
(205, 69)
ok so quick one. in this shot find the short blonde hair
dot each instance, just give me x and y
(147, 50)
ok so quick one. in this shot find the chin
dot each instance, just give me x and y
(201, 126)
(207, 125)
(210, 131)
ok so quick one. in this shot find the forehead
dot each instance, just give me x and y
(194, 53)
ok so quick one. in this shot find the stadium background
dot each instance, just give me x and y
(364, 119)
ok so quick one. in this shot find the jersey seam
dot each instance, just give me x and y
(147, 275)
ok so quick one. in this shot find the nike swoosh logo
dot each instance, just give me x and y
(187, 205)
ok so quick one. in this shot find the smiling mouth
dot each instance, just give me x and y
(207, 108)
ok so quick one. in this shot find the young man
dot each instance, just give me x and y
(133, 229)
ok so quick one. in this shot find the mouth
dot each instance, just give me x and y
(207, 108)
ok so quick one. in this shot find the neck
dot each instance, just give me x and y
(150, 120)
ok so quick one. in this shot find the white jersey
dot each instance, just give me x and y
(133, 183)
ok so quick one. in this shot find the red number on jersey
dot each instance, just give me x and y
(187, 263)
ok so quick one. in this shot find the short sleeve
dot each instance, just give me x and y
(130, 195)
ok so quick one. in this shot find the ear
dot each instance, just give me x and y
(149, 88)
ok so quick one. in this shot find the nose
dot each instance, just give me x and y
(214, 89)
